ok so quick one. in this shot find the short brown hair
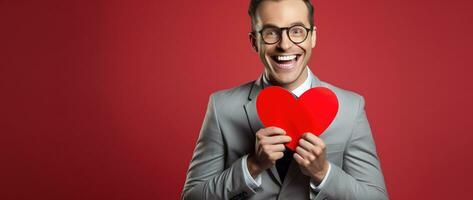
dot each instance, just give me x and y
(255, 3)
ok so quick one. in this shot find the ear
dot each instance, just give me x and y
(252, 38)
(313, 36)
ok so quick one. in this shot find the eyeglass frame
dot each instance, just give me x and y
(281, 29)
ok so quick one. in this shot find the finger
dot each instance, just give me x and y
(306, 145)
(274, 148)
(309, 147)
(305, 154)
(298, 158)
(273, 130)
(280, 139)
(276, 155)
(265, 132)
(279, 147)
(314, 140)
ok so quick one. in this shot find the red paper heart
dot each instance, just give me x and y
(312, 112)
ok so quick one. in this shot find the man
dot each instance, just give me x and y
(237, 158)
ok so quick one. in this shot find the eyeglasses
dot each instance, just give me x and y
(272, 35)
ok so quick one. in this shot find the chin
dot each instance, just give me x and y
(285, 77)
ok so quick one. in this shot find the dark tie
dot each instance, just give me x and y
(282, 165)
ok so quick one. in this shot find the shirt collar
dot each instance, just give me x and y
(301, 88)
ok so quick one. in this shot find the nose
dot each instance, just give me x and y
(285, 42)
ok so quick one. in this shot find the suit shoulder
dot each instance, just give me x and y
(237, 94)
(345, 95)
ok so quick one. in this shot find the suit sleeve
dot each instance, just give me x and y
(360, 176)
(207, 177)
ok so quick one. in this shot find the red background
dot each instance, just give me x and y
(105, 99)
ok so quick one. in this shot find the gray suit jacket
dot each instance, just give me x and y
(228, 133)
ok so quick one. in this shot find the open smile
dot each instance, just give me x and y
(285, 62)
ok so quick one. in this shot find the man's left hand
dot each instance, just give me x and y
(310, 155)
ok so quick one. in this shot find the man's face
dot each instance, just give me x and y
(281, 71)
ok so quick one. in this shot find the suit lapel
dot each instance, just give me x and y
(254, 121)
(250, 107)
(315, 82)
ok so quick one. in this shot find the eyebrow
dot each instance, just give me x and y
(269, 25)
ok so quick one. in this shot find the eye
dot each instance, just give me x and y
(297, 31)
(270, 32)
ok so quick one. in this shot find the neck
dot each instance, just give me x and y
(293, 85)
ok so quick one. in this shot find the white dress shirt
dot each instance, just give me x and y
(256, 182)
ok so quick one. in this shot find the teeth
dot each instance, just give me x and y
(286, 58)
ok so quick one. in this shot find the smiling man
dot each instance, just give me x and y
(237, 158)
(284, 55)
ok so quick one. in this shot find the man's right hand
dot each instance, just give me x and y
(269, 147)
